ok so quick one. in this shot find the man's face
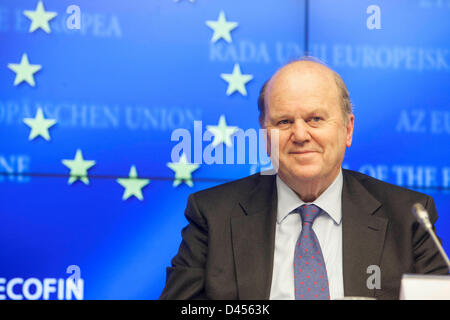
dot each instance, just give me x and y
(304, 105)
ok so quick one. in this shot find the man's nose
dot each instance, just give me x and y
(300, 132)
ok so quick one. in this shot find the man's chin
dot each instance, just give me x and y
(305, 173)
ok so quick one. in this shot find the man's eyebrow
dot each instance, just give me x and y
(280, 115)
(318, 110)
(289, 115)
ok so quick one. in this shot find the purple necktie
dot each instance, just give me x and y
(310, 273)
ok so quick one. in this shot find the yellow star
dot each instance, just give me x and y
(222, 132)
(24, 70)
(221, 27)
(39, 125)
(78, 167)
(236, 80)
(183, 171)
(40, 18)
(133, 185)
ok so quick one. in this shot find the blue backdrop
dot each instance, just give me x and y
(132, 73)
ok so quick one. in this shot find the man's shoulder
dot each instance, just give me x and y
(383, 190)
(222, 200)
(242, 187)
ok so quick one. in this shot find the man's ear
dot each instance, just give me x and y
(266, 135)
(262, 121)
(349, 128)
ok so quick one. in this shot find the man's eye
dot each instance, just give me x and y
(316, 119)
(283, 122)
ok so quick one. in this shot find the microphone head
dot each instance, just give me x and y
(421, 215)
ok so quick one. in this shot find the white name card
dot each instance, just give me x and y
(425, 287)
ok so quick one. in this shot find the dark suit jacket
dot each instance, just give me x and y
(228, 247)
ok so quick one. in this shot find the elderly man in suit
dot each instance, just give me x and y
(313, 230)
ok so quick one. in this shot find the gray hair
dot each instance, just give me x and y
(346, 104)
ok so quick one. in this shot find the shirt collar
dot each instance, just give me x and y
(329, 200)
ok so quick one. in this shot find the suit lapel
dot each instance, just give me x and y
(363, 232)
(253, 237)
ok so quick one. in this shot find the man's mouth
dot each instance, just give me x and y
(302, 152)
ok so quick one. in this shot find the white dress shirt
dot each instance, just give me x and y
(328, 229)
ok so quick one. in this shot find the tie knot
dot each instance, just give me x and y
(309, 212)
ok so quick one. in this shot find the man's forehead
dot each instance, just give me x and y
(302, 79)
(283, 111)
(298, 69)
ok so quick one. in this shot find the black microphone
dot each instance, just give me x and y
(422, 216)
